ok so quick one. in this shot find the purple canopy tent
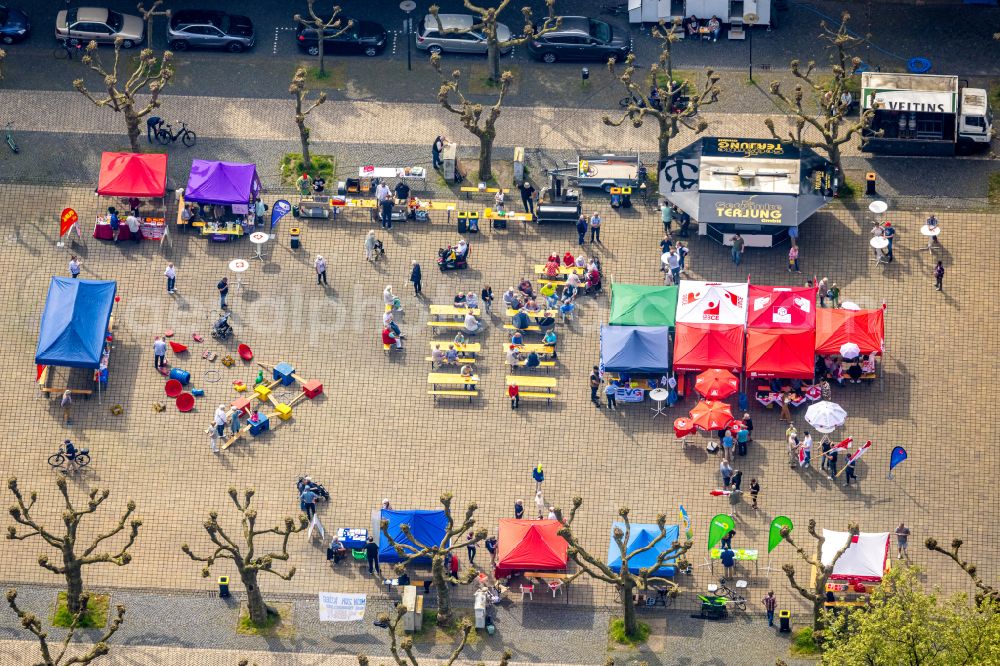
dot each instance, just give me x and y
(223, 183)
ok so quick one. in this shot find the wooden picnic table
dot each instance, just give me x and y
(535, 315)
(452, 311)
(527, 348)
(490, 214)
(563, 270)
(450, 379)
(467, 348)
(531, 381)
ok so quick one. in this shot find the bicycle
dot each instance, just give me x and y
(164, 134)
(63, 462)
(731, 595)
(10, 139)
(65, 50)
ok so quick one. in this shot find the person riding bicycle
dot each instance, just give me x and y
(153, 124)
(71, 451)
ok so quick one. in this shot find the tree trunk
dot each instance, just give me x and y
(255, 600)
(441, 585)
(132, 125)
(628, 610)
(664, 142)
(322, 60)
(304, 138)
(486, 156)
(74, 588)
(493, 56)
(834, 152)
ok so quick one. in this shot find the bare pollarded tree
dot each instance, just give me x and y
(332, 27)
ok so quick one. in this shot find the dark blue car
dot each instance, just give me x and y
(14, 25)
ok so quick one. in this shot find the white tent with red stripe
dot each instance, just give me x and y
(866, 560)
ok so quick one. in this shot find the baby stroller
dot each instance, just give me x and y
(305, 483)
(221, 329)
(448, 258)
(378, 251)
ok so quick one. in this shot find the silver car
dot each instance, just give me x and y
(86, 24)
(190, 28)
(430, 38)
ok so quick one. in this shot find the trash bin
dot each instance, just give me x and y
(870, 180)
(224, 587)
(463, 222)
(785, 621)
(295, 232)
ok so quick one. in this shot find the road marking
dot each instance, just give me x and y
(395, 37)
(277, 31)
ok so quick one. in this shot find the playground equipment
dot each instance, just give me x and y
(263, 395)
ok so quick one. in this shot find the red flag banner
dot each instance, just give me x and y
(66, 221)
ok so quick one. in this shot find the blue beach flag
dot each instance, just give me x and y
(898, 455)
(280, 209)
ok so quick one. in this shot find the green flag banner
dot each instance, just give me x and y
(774, 538)
(720, 526)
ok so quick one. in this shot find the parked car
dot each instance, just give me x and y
(430, 38)
(581, 38)
(194, 28)
(86, 24)
(365, 37)
(14, 25)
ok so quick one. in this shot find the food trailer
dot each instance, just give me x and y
(732, 12)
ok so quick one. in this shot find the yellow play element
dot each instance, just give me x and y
(284, 411)
(239, 386)
(263, 391)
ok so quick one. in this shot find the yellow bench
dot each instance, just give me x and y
(453, 394)
(447, 324)
(541, 364)
(532, 329)
(541, 349)
(563, 270)
(467, 348)
(533, 395)
(467, 190)
(460, 361)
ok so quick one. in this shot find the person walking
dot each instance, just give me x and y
(821, 289)
(219, 420)
(371, 555)
(538, 475)
(470, 549)
(728, 445)
(67, 401)
(436, 149)
(307, 502)
(540, 506)
(223, 288)
(667, 216)
(159, 352)
(737, 251)
(889, 233)
(171, 274)
(370, 245)
(74, 267)
(824, 459)
(674, 265)
(486, 296)
(595, 228)
(807, 443)
(514, 393)
(742, 438)
(320, 265)
(786, 413)
(527, 194)
(902, 536)
(610, 391)
(491, 548)
(737, 481)
(770, 604)
(416, 277)
(726, 472)
(518, 509)
(831, 464)
(849, 473)
(595, 383)
(793, 259)
(682, 253)
(938, 276)
(581, 229)
(132, 222)
(754, 492)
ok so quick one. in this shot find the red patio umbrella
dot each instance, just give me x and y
(716, 384)
(683, 427)
(711, 415)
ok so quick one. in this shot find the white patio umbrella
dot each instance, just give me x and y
(825, 416)
(850, 350)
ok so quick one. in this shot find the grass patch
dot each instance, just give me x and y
(335, 77)
(803, 644)
(432, 632)
(291, 167)
(278, 625)
(848, 190)
(691, 79)
(852, 84)
(94, 617)
(993, 188)
(993, 90)
(480, 83)
(616, 632)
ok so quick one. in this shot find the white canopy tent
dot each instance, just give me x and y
(867, 558)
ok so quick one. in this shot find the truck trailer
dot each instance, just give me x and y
(924, 114)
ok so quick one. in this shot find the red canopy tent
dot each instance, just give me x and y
(529, 545)
(778, 353)
(865, 328)
(132, 175)
(702, 346)
(781, 332)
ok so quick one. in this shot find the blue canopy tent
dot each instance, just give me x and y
(427, 527)
(75, 322)
(641, 535)
(635, 349)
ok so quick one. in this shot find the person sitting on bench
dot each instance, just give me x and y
(691, 25)
(513, 355)
(471, 324)
(714, 27)
(525, 288)
(520, 321)
(532, 360)
(336, 551)
(517, 338)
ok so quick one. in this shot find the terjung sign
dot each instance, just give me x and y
(747, 209)
(732, 147)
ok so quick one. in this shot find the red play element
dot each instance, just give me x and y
(242, 405)
(245, 352)
(177, 347)
(197, 338)
(169, 333)
(312, 388)
(185, 402)
(39, 369)
(163, 371)
(173, 388)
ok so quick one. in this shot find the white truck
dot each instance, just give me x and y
(924, 114)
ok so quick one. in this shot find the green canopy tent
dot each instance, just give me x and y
(642, 305)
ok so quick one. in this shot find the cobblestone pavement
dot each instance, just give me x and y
(376, 434)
